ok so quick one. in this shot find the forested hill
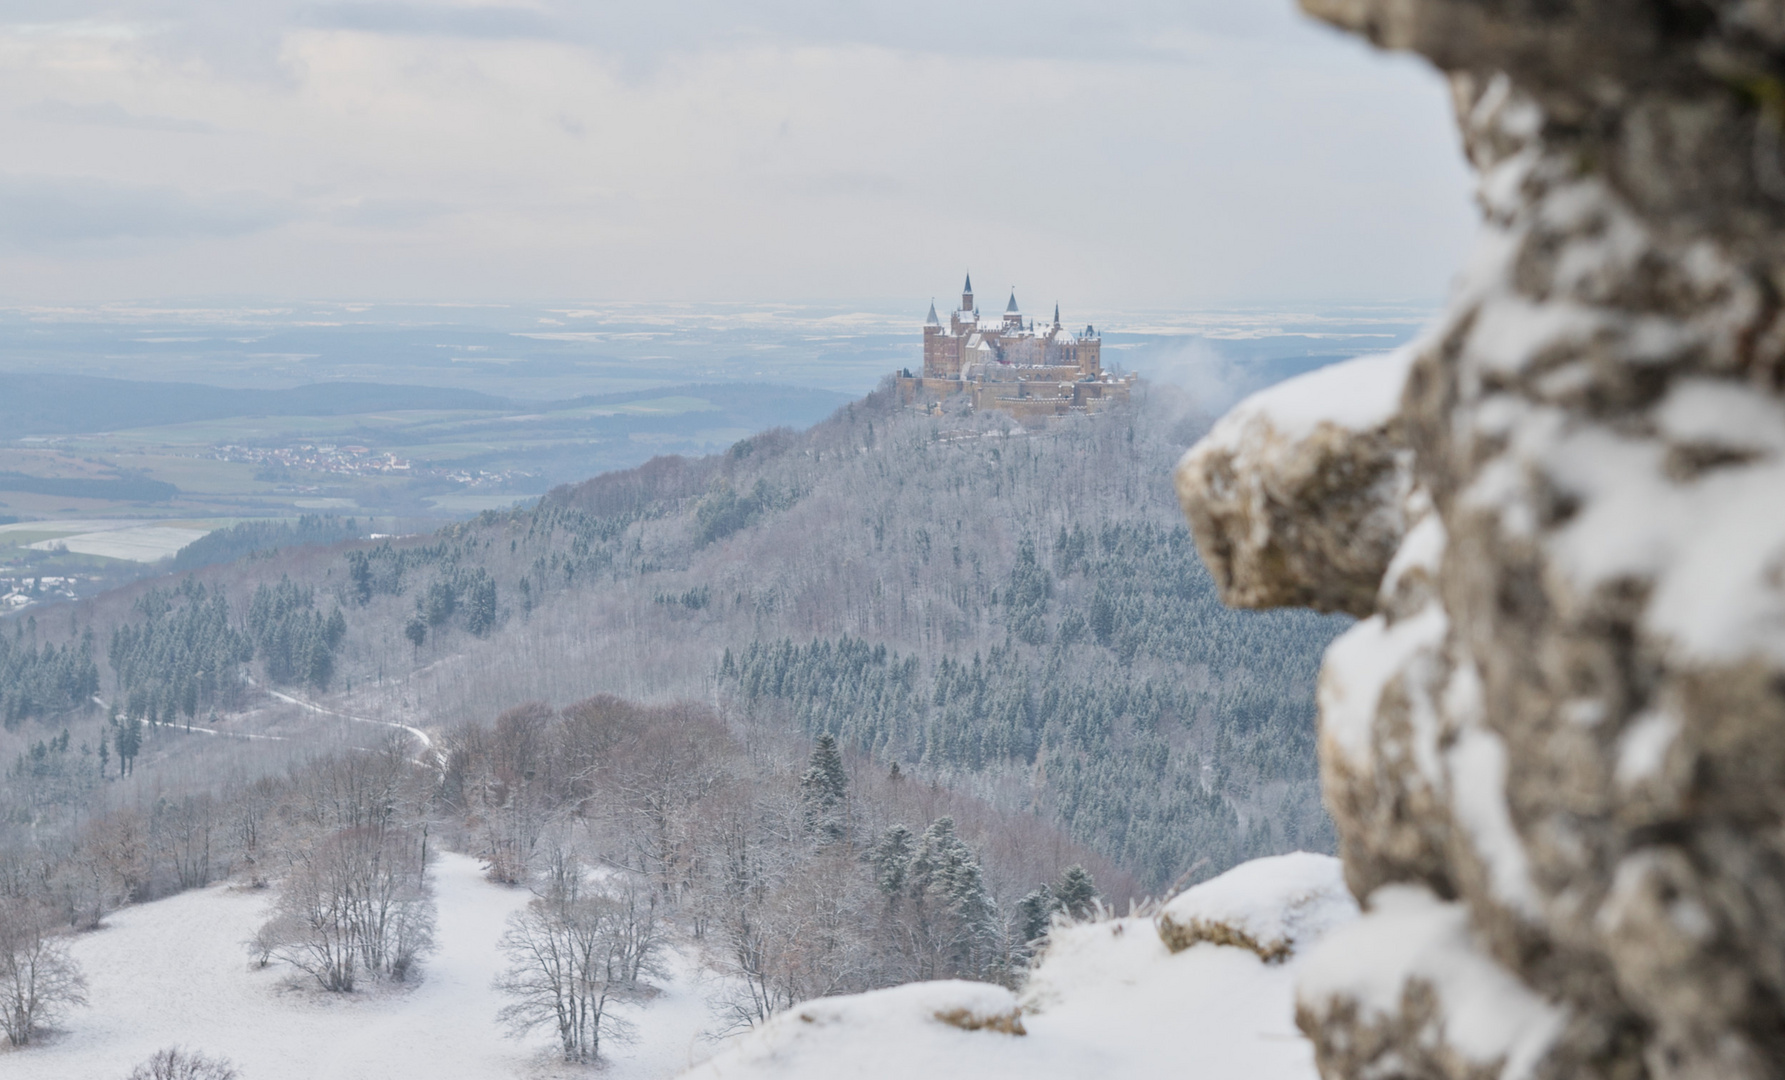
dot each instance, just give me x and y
(1016, 615)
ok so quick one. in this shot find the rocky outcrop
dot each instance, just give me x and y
(1272, 907)
(1554, 745)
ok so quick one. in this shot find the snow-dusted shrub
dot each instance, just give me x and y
(174, 1063)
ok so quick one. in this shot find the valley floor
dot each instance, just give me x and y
(175, 972)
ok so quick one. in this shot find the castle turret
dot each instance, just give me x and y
(967, 294)
(934, 321)
(1013, 315)
(1090, 354)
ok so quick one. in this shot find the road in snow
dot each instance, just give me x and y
(175, 971)
(420, 735)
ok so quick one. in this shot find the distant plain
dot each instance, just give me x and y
(177, 419)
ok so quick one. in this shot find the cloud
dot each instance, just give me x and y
(843, 185)
(109, 114)
(723, 148)
(47, 211)
(389, 213)
(432, 21)
(1211, 381)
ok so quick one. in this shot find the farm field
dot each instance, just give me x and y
(419, 463)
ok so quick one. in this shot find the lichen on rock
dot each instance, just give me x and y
(1561, 720)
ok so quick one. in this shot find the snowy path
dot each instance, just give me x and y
(175, 971)
(420, 735)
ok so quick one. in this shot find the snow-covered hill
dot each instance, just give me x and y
(175, 971)
(1109, 999)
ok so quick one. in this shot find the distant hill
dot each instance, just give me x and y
(35, 404)
(1016, 615)
(124, 488)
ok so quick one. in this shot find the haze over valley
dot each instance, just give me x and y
(500, 577)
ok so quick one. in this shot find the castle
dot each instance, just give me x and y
(1012, 366)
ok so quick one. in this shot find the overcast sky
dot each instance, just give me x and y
(1111, 153)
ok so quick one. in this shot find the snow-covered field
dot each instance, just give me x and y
(1109, 998)
(111, 538)
(175, 971)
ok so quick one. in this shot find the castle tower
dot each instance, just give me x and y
(1090, 354)
(942, 347)
(1013, 315)
(967, 294)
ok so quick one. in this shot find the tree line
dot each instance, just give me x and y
(797, 881)
(43, 679)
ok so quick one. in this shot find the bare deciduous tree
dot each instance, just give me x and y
(39, 980)
(573, 953)
(355, 901)
(175, 1063)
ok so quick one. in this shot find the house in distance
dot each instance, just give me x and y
(1011, 365)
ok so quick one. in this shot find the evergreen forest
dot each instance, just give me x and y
(1016, 622)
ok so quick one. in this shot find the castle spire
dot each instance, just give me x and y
(1011, 308)
(967, 295)
(1056, 314)
(932, 320)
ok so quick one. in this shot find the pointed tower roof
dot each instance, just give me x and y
(1011, 308)
(1056, 313)
(969, 286)
(932, 320)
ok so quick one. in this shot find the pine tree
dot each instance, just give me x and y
(1077, 893)
(1035, 913)
(955, 910)
(892, 861)
(130, 740)
(824, 789)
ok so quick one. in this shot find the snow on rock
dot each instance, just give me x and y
(1360, 664)
(1564, 707)
(1321, 438)
(1410, 973)
(922, 1029)
(1267, 905)
(1356, 395)
(1107, 998)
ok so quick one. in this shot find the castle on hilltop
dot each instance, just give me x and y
(1011, 365)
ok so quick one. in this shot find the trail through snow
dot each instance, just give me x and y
(420, 735)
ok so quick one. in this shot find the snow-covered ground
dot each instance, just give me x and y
(1109, 999)
(137, 541)
(175, 971)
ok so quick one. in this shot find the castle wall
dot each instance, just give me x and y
(1007, 366)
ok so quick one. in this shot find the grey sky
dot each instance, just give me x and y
(1115, 154)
